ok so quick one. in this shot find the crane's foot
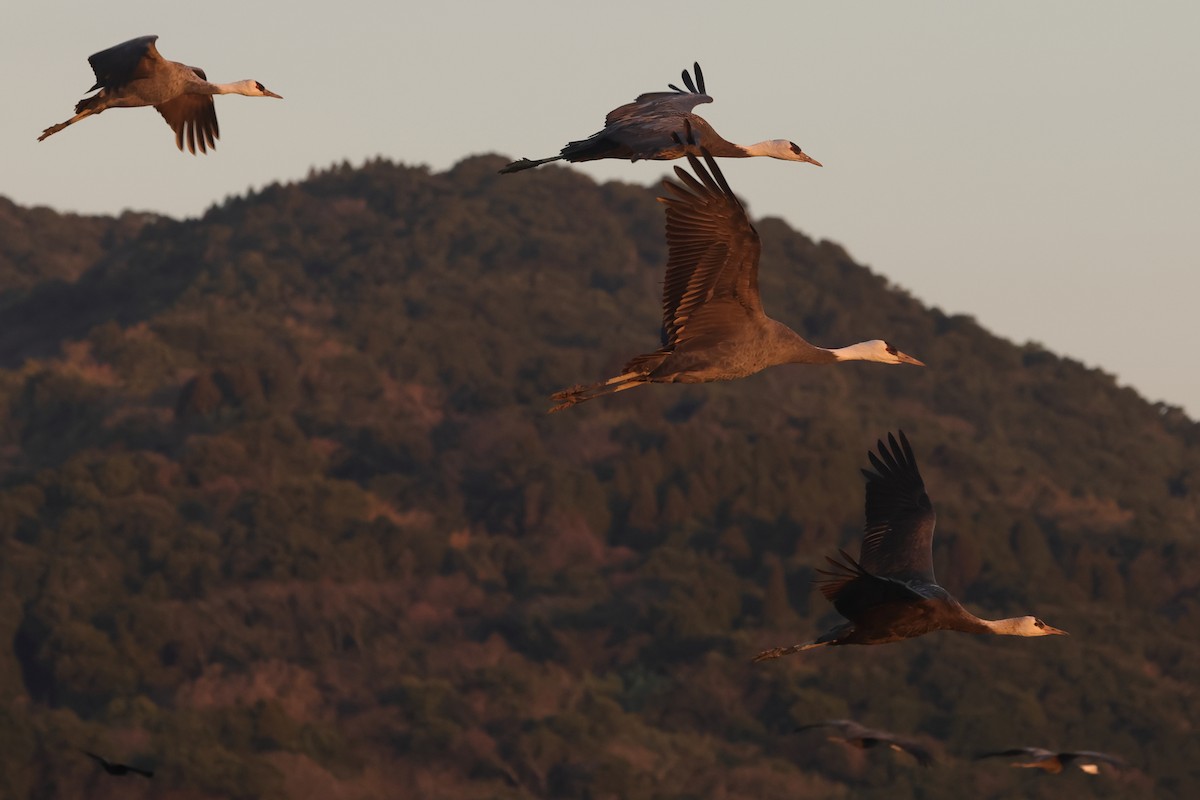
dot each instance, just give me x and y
(779, 652)
(53, 129)
(567, 398)
(525, 163)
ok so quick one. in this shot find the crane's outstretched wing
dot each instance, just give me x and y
(845, 727)
(851, 731)
(655, 112)
(660, 111)
(1092, 755)
(193, 118)
(898, 537)
(854, 591)
(1032, 752)
(121, 63)
(687, 81)
(710, 290)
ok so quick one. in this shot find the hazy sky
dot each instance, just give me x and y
(1033, 164)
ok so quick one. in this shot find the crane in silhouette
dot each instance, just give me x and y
(113, 768)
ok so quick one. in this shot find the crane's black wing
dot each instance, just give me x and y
(659, 113)
(922, 754)
(1092, 755)
(1033, 752)
(898, 537)
(124, 62)
(687, 81)
(854, 591)
(710, 290)
(851, 731)
(193, 117)
(845, 727)
(113, 768)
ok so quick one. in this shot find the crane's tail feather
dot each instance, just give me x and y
(525, 163)
(578, 394)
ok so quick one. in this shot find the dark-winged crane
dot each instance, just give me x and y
(643, 130)
(851, 733)
(113, 768)
(133, 74)
(1054, 762)
(890, 593)
(714, 328)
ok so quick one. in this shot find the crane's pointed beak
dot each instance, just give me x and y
(269, 93)
(1056, 631)
(806, 157)
(905, 358)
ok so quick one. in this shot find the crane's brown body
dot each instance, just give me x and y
(134, 74)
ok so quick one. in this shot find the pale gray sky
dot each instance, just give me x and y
(1034, 164)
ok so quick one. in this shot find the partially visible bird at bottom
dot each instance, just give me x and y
(851, 733)
(113, 768)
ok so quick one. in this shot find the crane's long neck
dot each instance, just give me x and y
(240, 87)
(1001, 627)
(767, 148)
(720, 148)
(863, 351)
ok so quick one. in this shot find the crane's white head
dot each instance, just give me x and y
(251, 88)
(1024, 626)
(875, 350)
(781, 149)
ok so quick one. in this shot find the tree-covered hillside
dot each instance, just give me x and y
(282, 515)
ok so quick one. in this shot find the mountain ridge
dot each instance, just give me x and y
(279, 498)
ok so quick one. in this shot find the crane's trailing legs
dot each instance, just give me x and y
(53, 129)
(826, 639)
(779, 652)
(526, 163)
(577, 394)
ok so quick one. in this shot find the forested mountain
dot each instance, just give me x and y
(282, 515)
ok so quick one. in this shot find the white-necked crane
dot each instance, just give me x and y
(133, 74)
(890, 593)
(643, 130)
(714, 327)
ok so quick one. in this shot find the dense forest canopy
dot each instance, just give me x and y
(282, 515)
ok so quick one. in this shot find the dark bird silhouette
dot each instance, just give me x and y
(113, 768)
(642, 130)
(891, 593)
(133, 74)
(1055, 762)
(714, 328)
(853, 734)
